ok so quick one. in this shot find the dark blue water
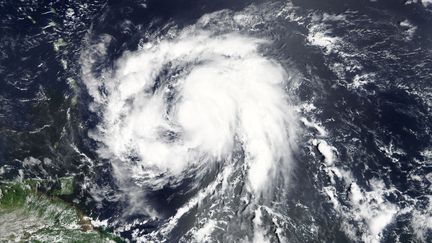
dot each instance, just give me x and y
(44, 106)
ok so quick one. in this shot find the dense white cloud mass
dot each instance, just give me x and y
(191, 101)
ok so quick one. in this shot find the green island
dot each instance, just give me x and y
(31, 214)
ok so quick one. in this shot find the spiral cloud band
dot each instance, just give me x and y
(192, 101)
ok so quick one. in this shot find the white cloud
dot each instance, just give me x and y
(223, 92)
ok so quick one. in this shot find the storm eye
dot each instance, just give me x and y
(169, 136)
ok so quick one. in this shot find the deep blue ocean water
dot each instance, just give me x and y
(369, 82)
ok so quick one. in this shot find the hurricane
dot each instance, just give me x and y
(177, 108)
(216, 121)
